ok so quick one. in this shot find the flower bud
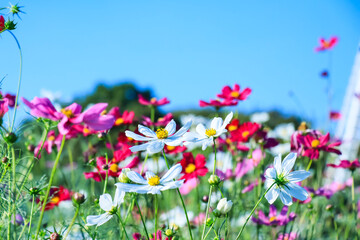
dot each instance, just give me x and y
(205, 198)
(174, 226)
(78, 198)
(224, 206)
(10, 138)
(10, 25)
(31, 148)
(169, 232)
(214, 180)
(101, 135)
(123, 178)
(209, 221)
(329, 207)
(216, 213)
(303, 126)
(5, 160)
(34, 191)
(55, 236)
(105, 167)
(96, 201)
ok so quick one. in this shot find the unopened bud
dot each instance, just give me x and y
(55, 236)
(78, 198)
(123, 178)
(5, 160)
(31, 148)
(214, 180)
(169, 232)
(303, 126)
(205, 198)
(224, 206)
(10, 138)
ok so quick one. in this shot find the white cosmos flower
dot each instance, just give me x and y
(206, 136)
(157, 140)
(224, 206)
(285, 181)
(152, 184)
(107, 204)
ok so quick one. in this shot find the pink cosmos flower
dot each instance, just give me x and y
(326, 45)
(218, 103)
(42, 107)
(351, 165)
(234, 93)
(163, 121)
(189, 185)
(124, 118)
(92, 118)
(153, 101)
(274, 219)
(314, 143)
(48, 145)
(288, 236)
(4, 103)
(2, 23)
(329, 190)
(11, 98)
(334, 115)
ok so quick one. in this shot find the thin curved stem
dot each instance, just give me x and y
(31, 215)
(122, 225)
(156, 215)
(107, 173)
(49, 186)
(256, 205)
(19, 82)
(207, 212)
(142, 219)
(72, 221)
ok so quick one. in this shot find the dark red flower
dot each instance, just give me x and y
(153, 101)
(243, 132)
(234, 93)
(2, 23)
(314, 142)
(57, 194)
(193, 168)
(163, 121)
(352, 165)
(174, 150)
(326, 45)
(218, 103)
(324, 73)
(334, 115)
(124, 118)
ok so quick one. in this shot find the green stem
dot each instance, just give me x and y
(142, 167)
(49, 186)
(19, 82)
(353, 202)
(9, 211)
(130, 208)
(309, 165)
(210, 229)
(107, 173)
(182, 201)
(72, 221)
(142, 219)
(207, 212)
(243, 227)
(156, 215)
(122, 225)
(214, 170)
(31, 215)
(13, 165)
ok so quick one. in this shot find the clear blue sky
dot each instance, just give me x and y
(186, 50)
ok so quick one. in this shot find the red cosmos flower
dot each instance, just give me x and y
(334, 115)
(243, 132)
(11, 99)
(125, 118)
(324, 73)
(235, 93)
(174, 150)
(314, 143)
(153, 101)
(193, 168)
(2, 23)
(351, 165)
(58, 194)
(163, 121)
(326, 45)
(218, 103)
(114, 170)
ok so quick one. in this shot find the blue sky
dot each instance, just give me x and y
(187, 50)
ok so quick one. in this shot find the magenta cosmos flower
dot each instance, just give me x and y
(153, 101)
(122, 119)
(274, 219)
(326, 44)
(42, 107)
(4, 107)
(218, 103)
(234, 93)
(351, 165)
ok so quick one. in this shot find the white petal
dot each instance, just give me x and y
(190, 136)
(171, 127)
(268, 183)
(285, 197)
(226, 122)
(105, 202)
(183, 130)
(146, 131)
(297, 192)
(297, 176)
(127, 187)
(172, 185)
(154, 190)
(270, 173)
(149, 175)
(272, 195)
(200, 129)
(137, 137)
(119, 197)
(288, 163)
(216, 123)
(140, 147)
(171, 141)
(155, 147)
(97, 219)
(277, 164)
(173, 173)
(136, 177)
(219, 132)
(207, 142)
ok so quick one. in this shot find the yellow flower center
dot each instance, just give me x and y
(232, 128)
(273, 218)
(55, 200)
(103, 112)
(190, 168)
(210, 132)
(67, 112)
(162, 133)
(235, 94)
(170, 148)
(51, 138)
(154, 181)
(114, 168)
(315, 143)
(245, 134)
(119, 121)
(86, 130)
(153, 100)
